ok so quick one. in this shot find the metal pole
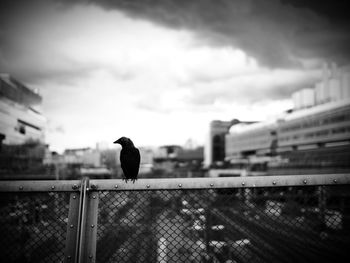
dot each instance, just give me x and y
(88, 229)
(82, 219)
(72, 229)
(90, 235)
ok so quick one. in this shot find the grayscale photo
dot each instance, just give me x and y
(169, 131)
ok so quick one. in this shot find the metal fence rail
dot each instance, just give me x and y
(243, 219)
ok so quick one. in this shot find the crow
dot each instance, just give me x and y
(129, 159)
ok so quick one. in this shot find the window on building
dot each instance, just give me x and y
(22, 129)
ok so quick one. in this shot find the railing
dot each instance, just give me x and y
(240, 219)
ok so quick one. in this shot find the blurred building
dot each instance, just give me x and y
(93, 163)
(21, 129)
(146, 164)
(176, 161)
(165, 158)
(314, 135)
(215, 143)
(21, 118)
(87, 157)
(246, 139)
(215, 146)
(334, 86)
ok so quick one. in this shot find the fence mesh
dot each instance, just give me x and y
(271, 224)
(284, 224)
(33, 226)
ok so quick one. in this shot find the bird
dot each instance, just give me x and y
(129, 159)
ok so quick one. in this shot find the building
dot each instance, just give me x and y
(22, 127)
(244, 139)
(165, 158)
(176, 161)
(314, 135)
(21, 119)
(334, 86)
(215, 147)
(146, 162)
(99, 163)
(214, 150)
(85, 156)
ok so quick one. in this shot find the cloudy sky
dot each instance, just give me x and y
(158, 71)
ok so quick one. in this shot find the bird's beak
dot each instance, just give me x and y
(117, 141)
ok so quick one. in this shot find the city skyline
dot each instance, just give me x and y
(113, 70)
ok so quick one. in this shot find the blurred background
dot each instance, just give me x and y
(203, 88)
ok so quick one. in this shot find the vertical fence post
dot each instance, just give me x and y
(73, 226)
(82, 225)
(82, 218)
(88, 236)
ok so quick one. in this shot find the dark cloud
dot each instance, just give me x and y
(39, 66)
(277, 33)
(275, 85)
(68, 72)
(42, 73)
(335, 11)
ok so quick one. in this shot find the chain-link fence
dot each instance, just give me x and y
(33, 226)
(265, 219)
(284, 224)
(33, 222)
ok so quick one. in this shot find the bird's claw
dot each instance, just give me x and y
(126, 180)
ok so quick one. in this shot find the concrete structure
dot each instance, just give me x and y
(175, 161)
(316, 133)
(167, 152)
(22, 141)
(21, 119)
(215, 146)
(214, 150)
(85, 156)
(304, 98)
(80, 162)
(146, 162)
(248, 139)
(334, 86)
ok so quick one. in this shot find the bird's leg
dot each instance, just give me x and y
(133, 180)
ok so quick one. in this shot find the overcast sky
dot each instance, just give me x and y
(160, 71)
